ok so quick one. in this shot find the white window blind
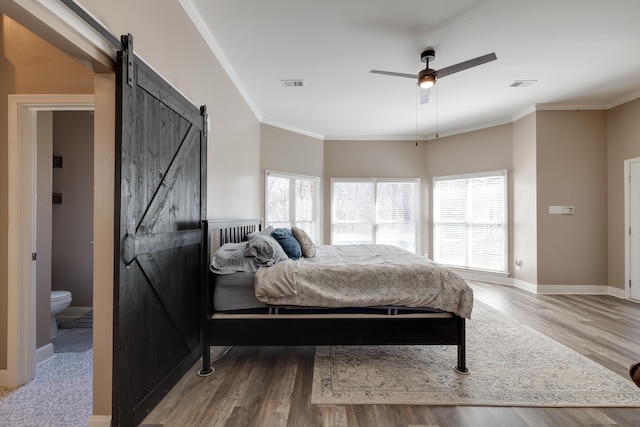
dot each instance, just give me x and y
(470, 221)
(375, 211)
(292, 201)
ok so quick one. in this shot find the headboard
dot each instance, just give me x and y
(217, 232)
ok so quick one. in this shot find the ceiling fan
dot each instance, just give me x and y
(427, 77)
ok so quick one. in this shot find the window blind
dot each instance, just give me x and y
(470, 221)
(375, 211)
(292, 201)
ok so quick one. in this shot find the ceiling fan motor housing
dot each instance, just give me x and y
(428, 56)
(428, 76)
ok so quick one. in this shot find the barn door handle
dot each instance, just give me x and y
(129, 249)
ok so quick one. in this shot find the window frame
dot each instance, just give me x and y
(292, 204)
(375, 223)
(467, 176)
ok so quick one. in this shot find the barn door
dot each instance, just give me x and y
(160, 202)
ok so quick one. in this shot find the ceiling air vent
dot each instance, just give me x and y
(522, 83)
(292, 83)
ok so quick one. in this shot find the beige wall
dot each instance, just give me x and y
(524, 224)
(285, 151)
(28, 65)
(103, 242)
(623, 143)
(571, 170)
(72, 239)
(375, 159)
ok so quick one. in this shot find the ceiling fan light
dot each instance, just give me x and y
(426, 79)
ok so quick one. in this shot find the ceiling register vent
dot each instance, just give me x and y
(522, 83)
(292, 83)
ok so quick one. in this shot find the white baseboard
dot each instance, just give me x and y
(3, 378)
(619, 293)
(484, 277)
(74, 312)
(43, 353)
(550, 289)
(525, 286)
(99, 421)
(573, 289)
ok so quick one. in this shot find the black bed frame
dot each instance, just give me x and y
(380, 330)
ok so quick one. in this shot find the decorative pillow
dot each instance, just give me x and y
(307, 245)
(288, 242)
(266, 250)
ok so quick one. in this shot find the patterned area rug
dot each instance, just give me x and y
(77, 340)
(59, 395)
(510, 365)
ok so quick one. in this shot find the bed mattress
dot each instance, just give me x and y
(235, 292)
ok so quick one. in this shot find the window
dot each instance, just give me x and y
(292, 201)
(381, 211)
(470, 221)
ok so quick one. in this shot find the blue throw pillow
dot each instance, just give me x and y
(288, 242)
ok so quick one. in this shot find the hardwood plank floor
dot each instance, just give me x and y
(271, 386)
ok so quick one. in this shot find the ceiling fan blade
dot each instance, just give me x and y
(424, 95)
(443, 72)
(391, 73)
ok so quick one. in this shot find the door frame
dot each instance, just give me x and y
(21, 278)
(627, 225)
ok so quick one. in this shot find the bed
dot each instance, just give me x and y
(241, 319)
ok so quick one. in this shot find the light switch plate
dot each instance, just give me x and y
(555, 210)
(568, 210)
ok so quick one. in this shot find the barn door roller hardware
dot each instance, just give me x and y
(127, 47)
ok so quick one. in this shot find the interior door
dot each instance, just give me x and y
(634, 231)
(160, 204)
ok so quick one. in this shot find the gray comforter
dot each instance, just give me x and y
(362, 276)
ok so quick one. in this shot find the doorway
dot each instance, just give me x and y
(632, 223)
(65, 209)
(21, 316)
(632, 196)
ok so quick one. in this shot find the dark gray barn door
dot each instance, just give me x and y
(160, 202)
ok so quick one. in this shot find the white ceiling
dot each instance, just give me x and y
(582, 54)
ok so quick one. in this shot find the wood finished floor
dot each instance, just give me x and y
(271, 386)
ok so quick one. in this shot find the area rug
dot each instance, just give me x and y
(510, 365)
(77, 340)
(61, 394)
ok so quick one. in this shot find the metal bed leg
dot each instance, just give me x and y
(461, 367)
(206, 362)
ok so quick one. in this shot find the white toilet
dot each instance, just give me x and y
(60, 300)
